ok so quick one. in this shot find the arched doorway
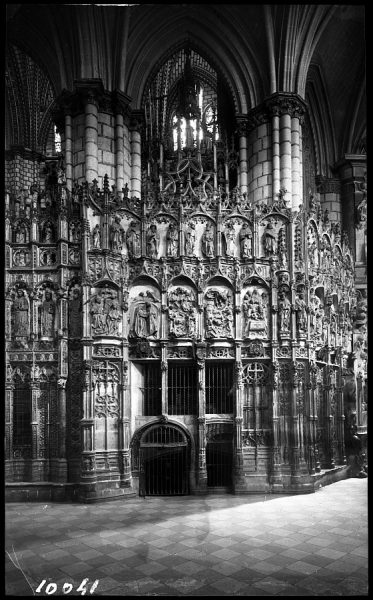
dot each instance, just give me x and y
(219, 456)
(164, 461)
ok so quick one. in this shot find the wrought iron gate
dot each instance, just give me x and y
(164, 462)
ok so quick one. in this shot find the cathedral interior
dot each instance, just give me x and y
(185, 249)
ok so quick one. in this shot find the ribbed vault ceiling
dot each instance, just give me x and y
(257, 49)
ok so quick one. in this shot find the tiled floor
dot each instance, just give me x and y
(309, 545)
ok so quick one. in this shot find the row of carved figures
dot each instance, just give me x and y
(105, 308)
(234, 243)
(129, 241)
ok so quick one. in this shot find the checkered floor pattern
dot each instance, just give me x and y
(217, 545)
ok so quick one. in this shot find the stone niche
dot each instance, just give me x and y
(144, 311)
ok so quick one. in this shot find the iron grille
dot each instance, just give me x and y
(164, 471)
(182, 389)
(152, 389)
(219, 388)
(163, 434)
(22, 431)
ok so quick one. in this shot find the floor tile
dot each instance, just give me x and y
(210, 546)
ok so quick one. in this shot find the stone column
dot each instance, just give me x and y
(202, 470)
(238, 474)
(68, 151)
(121, 109)
(119, 152)
(297, 188)
(286, 110)
(91, 138)
(295, 445)
(340, 417)
(276, 185)
(276, 457)
(164, 378)
(37, 461)
(60, 464)
(88, 477)
(310, 429)
(241, 128)
(136, 154)
(329, 424)
(285, 155)
(9, 395)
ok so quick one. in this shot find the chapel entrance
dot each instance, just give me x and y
(164, 462)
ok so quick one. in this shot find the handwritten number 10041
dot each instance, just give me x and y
(67, 587)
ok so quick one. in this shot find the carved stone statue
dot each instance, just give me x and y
(75, 232)
(255, 317)
(270, 239)
(21, 319)
(96, 237)
(208, 246)
(190, 240)
(98, 322)
(113, 315)
(47, 316)
(218, 314)
(75, 314)
(300, 311)
(152, 242)
(133, 238)
(20, 234)
(48, 232)
(181, 313)
(284, 308)
(145, 321)
(282, 254)
(229, 237)
(116, 235)
(246, 241)
(172, 240)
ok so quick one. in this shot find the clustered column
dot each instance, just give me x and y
(136, 154)
(91, 138)
(242, 132)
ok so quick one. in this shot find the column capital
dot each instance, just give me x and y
(137, 121)
(241, 124)
(121, 103)
(89, 90)
(282, 103)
